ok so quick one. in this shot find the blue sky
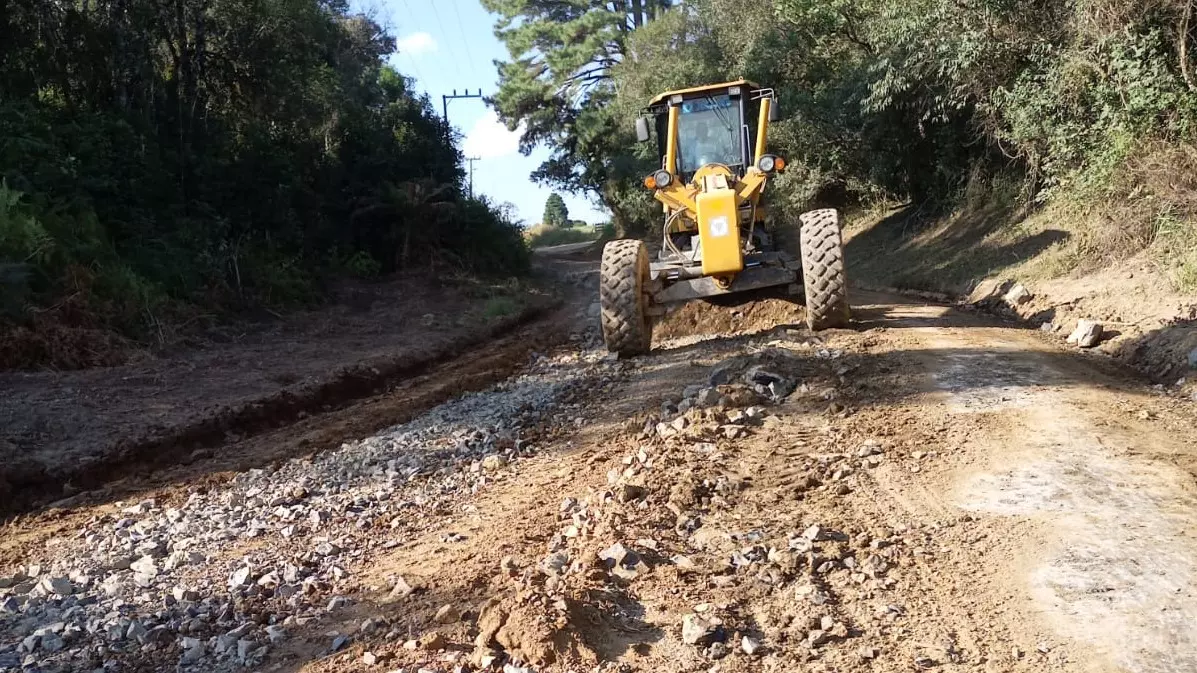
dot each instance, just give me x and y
(450, 44)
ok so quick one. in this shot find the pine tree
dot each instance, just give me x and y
(556, 214)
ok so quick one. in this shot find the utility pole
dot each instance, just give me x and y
(445, 98)
(472, 160)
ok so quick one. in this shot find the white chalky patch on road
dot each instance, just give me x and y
(1120, 568)
(1118, 572)
(984, 381)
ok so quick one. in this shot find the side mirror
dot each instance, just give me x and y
(774, 111)
(642, 129)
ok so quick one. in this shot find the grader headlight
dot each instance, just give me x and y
(771, 163)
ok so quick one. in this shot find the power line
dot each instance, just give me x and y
(419, 75)
(444, 32)
(389, 25)
(412, 59)
(465, 42)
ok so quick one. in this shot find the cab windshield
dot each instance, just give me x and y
(709, 132)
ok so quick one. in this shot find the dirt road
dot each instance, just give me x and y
(927, 490)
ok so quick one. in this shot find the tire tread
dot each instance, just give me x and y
(823, 276)
(622, 275)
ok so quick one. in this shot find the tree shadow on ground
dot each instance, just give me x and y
(281, 425)
(872, 311)
(888, 376)
(908, 249)
(1166, 354)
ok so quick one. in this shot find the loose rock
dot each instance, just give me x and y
(432, 641)
(193, 650)
(698, 630)
(240, 577)
(52, 643)
(145, 566)
(57, 585)
(493, 463)
(401, 589)
(631, 492)
(1018, 295)
(708, 397)
(1087, 334)
(448, 614)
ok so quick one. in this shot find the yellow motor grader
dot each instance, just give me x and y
(714, 170)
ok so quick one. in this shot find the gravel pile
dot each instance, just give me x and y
(217, 581)
(670, 526)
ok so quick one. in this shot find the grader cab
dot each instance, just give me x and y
(715, 168)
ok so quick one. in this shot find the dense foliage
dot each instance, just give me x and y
(218, 153)
(908, 100)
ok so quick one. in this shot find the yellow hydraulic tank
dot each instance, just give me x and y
(719, 232)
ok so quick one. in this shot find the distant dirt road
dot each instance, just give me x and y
(928, 490)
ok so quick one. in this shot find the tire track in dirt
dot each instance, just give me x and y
(164, 471)
(343, 387)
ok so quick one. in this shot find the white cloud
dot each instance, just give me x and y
(416, 44)
(490, 139)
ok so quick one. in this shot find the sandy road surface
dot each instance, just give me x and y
(926, 491)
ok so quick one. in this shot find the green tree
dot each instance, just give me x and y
(221, 152)
(556, 214)
(905, 100)
(558, 87)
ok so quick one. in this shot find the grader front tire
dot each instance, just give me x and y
(627, 327)
(823, 277)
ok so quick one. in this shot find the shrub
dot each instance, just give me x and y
(543, 235)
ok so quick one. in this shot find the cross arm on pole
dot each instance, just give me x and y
(445, 98)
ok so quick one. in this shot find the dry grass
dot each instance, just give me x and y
(1156, 200)
(987, 235)
(1150, 210)
(545, 235)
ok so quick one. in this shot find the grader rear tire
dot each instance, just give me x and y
(823, 275)
(627, 328)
